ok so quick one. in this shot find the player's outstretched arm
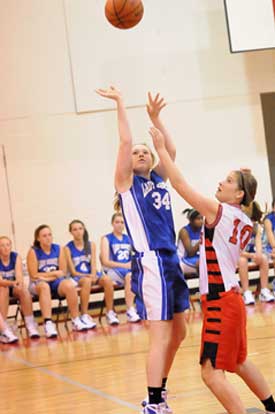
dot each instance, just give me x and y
(124, 168)
(207, 207)
(154, 107)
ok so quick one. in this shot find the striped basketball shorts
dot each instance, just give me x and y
(159, 285)
(223, 339)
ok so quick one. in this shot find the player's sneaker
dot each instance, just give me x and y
(50, 329)
(8, 337)
(112, 318)
(132, 315)
(78, 325)
(248, 298)
(155, 409)
(266, 295)
(88, 321)
(32, 330)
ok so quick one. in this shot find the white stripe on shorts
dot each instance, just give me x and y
(152, 286)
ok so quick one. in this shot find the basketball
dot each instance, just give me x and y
(124, 14)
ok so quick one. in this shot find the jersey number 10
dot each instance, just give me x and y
(242, 235)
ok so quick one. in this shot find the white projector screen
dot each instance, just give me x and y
(251, 24)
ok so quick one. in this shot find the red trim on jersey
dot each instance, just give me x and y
(217, 219)
(210, 255)
(215, 280)
(213, 267)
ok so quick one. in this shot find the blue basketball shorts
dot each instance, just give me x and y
(159, 285)
(117, 275)
(53, 286)
(76, 279)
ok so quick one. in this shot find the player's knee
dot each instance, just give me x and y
(67, 286)
(43, 288)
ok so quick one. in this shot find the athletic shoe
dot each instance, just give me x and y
(164, 396)
(78, 325)
(248, 298)
(132, 315)
(155, 409)
(32, 331)
(50, 329)
(88, 321)
(112, 318)
(266, 295)
(8, 337)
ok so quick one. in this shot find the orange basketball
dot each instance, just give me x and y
(124, 14)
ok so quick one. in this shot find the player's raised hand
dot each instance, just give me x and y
(158, 138)
(111, 93)
(154, 105)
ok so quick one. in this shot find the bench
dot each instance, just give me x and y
(61, 308)
(192, 281)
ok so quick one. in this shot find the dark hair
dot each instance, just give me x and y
(37, 231)
(115, 215)
(256, 212)
(273, 203)
(248, 184)
(191, 213)
(87, 246)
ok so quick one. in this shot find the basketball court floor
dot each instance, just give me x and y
(102, 371)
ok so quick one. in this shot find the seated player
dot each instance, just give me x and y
(115, 256)
(269, 233)
(81, 258)
(47, 269)
(253, 252)
(12, 285)
(189, 241)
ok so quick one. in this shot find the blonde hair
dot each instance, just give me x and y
(5, 237)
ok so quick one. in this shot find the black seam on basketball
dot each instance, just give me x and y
(110, 12)
(125, 2)
(117, 15)
(133, 10)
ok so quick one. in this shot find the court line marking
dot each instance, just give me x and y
(77, 384)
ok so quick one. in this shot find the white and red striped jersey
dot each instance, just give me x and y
(221, 245)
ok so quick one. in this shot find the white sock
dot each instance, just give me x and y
(29, 320)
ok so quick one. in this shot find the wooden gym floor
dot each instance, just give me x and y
(103, 371)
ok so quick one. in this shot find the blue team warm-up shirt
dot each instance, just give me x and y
(80, 258)
(47, 262)
(271, 217)
(8, 272)
(194, 238)
(148, 216)
(120, 250)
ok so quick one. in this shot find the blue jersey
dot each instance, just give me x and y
(8, 272)
(120, 250)
(194, 236)
(146, 208)
(81, 260)
(251, 246)
(271, 217)
(47, 262)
